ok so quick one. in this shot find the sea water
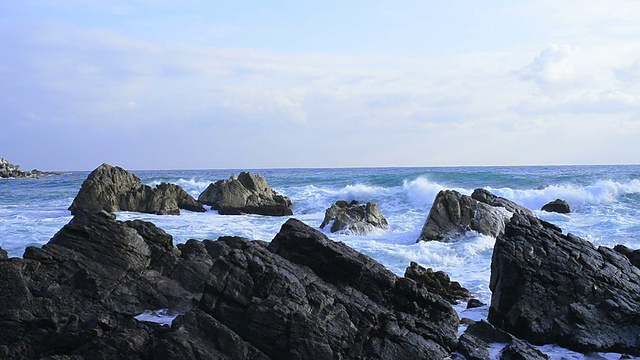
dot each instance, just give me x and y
(605, 203)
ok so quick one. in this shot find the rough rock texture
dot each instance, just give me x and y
(488, 198)
(354, 218)
(558, 206)
(452, 214)
(479, 336)
(245, 194)
(112, 188)
(9, 170)
(437, 282)
(302, 296)
(632, 255)
(548, 287)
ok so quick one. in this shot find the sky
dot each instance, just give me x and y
(274, 84)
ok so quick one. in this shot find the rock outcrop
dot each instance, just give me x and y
(558, 206)
(245, 194)
(452, 214)
(3, 254)
(302, 296)
(354, 218)
(437, 282)
(112, 188)
(9, 170)
(548, 287)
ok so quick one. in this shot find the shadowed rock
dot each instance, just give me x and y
(477, 340)
(548, 287)
(354, 218)
(558, 206)
(488, 198)
(452, 214)
(437, 282)
(245, 194)
(112, 188)
(3, 254)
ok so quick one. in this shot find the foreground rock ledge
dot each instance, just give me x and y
(548, 287)
(245, 194)
(303, 296)
(112, 188)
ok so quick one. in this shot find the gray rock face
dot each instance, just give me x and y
(488, 198)
(354, 218)
(558, 206)
(548, 287)
(245, 194)
(302, 296)
(3, 254)
(112, 188)
(452, 214)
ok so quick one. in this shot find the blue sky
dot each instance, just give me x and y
(255, 84)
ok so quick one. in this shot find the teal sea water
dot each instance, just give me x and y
(605, 201)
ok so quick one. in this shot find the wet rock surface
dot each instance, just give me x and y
(354, 217)
(245, 194)
(437, 282)
(452, 214)
(548, 287)
(112, 188)
(488, 198)
(558, 206)
(480, 336)
(302, 296)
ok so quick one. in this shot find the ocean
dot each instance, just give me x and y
(605, 203)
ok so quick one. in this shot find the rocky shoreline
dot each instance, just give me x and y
(303, 295)
(9, 170)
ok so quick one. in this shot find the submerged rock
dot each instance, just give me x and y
(112, 188)
(354, 218)
(437, 282)
(452, 214)
(558, 206)
(551, 288)
(245, 194)
(479, 337)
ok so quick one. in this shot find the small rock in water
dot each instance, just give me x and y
(353, 217)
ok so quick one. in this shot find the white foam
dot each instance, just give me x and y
(422, 191)
(161, 316)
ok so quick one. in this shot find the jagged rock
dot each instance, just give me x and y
(477, 339)
(9, 170)
(632, 255)
(474, 303)
(548, 287)
(437, 282)
(488, 198)
(112, 188)
(452, 214)
(354, 218)
(245, 194)
(3, 254)
(558, 206)
(302, 296)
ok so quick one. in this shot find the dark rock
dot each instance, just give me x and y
(558, 206)
(632, 255)
(112, 188)
(307, 297)
(479, 336)
(3, 254)
(474, 303)
(488, 198)
(245, 194)
(452, 214)
(437, 282)
(548, 287)
(354, 218)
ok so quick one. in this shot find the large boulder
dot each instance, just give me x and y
(245, 194)
(488, 198)
(548, 287)
(112, 188)
(558, 206)
(354, 218)
(452, 214)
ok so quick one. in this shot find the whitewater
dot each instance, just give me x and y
(605, 203)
